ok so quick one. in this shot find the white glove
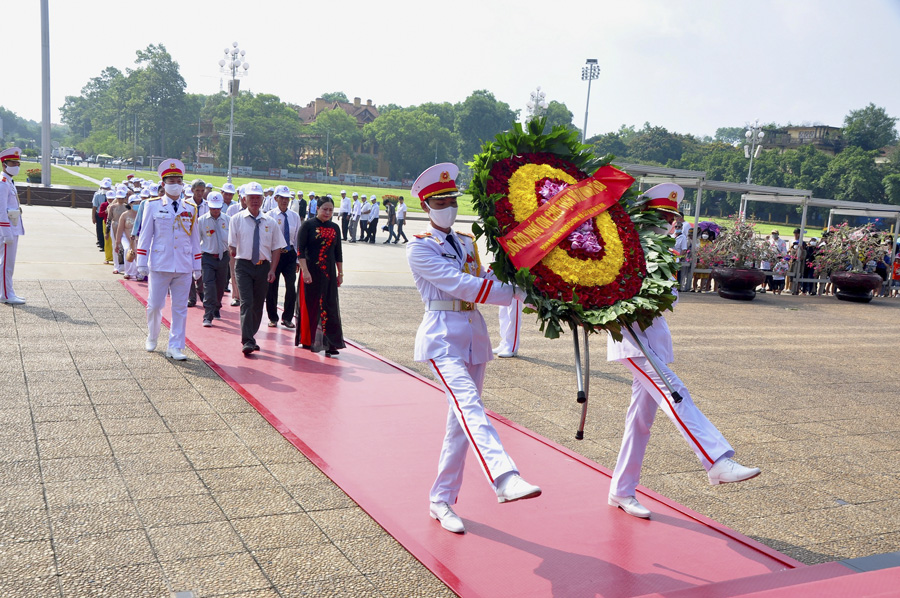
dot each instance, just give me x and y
(519, 294)
(143, 272)
(8, 240)
(198, 274)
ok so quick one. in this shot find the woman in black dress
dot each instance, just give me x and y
(321, 264)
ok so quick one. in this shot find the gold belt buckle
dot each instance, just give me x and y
(466, 306)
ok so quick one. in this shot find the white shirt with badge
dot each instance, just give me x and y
(169, 240)
(240, 235)
(444, 274)
(294, 223)
(213, 234)
(345, 205)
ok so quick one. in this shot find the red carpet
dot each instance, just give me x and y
(375, 428)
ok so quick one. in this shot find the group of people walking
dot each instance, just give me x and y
(194, 242)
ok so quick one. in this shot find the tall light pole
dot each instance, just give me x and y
(754, 135)
(233, 64)
(45, 93)
(589, 72)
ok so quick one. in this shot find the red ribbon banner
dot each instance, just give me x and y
(537, 235)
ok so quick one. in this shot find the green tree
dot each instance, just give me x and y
(335, 96)
(479, 118)
(730, 134)
(558, 114)
(156, 95)
(852, 175)
(870, 128)
(336, 132)
(655, 144)
(891, 184)
(609, 143)
(409, 139)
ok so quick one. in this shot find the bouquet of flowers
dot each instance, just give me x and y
(849, 249)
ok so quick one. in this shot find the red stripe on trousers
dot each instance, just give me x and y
(5, 264)
(672, 408)
(465, 425)
(515, 346)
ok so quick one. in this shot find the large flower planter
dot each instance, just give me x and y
(738, 283)
(855, 286)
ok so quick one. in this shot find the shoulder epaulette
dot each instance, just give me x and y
(422, 236)
(465, 234)
(155, 199)
(190, 202)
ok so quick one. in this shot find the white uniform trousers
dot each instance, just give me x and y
(467, 425)
(130, 268)
(647, 394)
(179, 284)
(7, 266)
(510, 324)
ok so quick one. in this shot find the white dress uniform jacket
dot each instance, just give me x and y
(294, 223)
(169, 241)
(441, 274)
(9, 200)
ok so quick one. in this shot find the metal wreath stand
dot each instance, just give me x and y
(583, 372)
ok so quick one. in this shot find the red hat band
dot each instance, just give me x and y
(436, 188)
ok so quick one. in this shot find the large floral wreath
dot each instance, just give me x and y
(616, 268)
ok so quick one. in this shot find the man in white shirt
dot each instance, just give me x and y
(255, 243)
(299, 206)
(401, 220)
(372, 225)
(215, 259)
(313, 204)
(344, 211)
(359, 218)
(289, 224)
(268, 200)
(228, 192)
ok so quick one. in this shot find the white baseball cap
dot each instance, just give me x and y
(228, 188)
(253, 188)
(282, 191)
(215, 200)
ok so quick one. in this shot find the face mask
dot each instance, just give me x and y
(174, 189)
(704, 236)
(812, 243)
(445, 217)
(12, 170)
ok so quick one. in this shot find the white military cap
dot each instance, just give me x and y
(664, 197)
(170, 167)
(437, 181)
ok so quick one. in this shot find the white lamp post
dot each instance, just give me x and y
(234, 65)
(754, 135)
(536, 105)
(589, 72)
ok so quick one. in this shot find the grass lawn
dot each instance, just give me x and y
(117, 175)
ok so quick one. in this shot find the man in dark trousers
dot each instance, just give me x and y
(215, 261)
(255, 243)
(289, 224)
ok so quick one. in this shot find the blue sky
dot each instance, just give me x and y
(690, 66)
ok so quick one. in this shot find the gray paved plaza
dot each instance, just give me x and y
(124, 474)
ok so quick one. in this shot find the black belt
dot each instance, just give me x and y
(215, 254)
(259, 263)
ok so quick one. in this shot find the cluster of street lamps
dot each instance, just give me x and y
(234, 65)
(589, 72)
(537, 104)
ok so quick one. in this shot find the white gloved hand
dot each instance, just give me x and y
(519, 294)
(143, 272)
(198, 274)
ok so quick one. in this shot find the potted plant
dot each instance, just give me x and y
(847, 255)
(734, 257)
(33, 175)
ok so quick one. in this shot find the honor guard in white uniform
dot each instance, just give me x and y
(453, 339)
(510, 325)
(11, 227)
(647, 395)
(169, 252)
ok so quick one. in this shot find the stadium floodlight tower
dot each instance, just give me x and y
(589, 72)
